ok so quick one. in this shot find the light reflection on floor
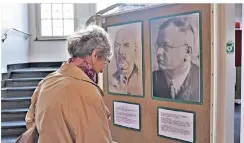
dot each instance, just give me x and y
(237, 123)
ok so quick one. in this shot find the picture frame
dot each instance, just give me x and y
(182, 112)
(139, 62)
(136, 106)
(153, 64)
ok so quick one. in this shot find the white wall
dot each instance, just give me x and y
(242, 83)
(15, 49)
(238, 13)
(48, 51)
(224, 66)
(230, 74)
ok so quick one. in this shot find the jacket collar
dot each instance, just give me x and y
(71, 70)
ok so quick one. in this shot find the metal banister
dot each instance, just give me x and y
(5, 35)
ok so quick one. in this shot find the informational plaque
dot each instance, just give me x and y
(127, 115)
(176, 124)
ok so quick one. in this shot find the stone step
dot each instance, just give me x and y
(9, 139)
(17, 87)
(13, 103)
(35, 69)
(17, 91)
(34, 65)
(31, 73)
(12, 128)
(21, 82)
(5, 76)
(15, 114)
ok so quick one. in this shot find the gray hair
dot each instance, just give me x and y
(180, 22)
(84, 41)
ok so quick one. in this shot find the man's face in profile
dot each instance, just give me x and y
(171, 48)
(124, 48)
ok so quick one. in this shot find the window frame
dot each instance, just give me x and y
(39, 37)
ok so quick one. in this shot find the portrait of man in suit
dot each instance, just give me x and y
(176, 77)
(126, 79)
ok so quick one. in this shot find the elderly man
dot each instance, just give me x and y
(126, 79)
(177, 77)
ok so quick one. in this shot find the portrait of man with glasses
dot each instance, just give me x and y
(125, 74)
(176, 76)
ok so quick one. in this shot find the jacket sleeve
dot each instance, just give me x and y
(30, 115)
(85, 113)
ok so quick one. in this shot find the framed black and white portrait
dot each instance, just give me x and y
(125, 71)
(176, 57)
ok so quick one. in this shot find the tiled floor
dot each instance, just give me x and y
(237, 123)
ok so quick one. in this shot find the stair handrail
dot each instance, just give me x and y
(5, 35)
(101, 12)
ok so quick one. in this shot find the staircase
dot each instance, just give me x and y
(17, 87)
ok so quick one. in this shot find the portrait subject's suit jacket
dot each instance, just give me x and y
(189, 91)
(132, 86)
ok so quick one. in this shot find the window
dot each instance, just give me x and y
(55, 20)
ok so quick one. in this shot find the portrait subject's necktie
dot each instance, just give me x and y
(123, 83)
(172, 90)
(125, 80)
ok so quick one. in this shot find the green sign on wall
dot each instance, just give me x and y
(230, 47)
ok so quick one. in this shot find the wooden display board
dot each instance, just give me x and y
(148, 104)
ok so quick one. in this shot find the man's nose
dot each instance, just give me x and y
(122, 51)
(160, 51)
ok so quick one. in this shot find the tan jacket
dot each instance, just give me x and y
(67, 109)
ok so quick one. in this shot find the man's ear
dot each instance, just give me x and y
(188, 53)
(135, 51)
(189, 50)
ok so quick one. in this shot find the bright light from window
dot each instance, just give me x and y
(101, 6)
(57, 19)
